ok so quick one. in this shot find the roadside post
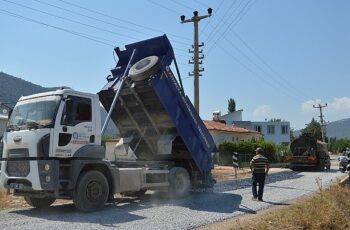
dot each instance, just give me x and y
(235, 162)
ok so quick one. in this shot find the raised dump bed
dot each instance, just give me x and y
(152, 112)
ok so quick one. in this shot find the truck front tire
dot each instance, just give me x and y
(91, 191)
(144, 68)
(43, 202)
(180, 183)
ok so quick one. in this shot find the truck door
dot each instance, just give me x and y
(74, 126)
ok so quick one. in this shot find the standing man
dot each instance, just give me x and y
(260, 169)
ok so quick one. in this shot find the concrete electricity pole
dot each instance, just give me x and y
(195, 59)
(323, 128)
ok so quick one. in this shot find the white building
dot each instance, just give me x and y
(276, 131)
(223, 132)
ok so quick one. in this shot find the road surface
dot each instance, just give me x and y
(228, 200)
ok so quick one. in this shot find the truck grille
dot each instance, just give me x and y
(18, 168)
(18, 153)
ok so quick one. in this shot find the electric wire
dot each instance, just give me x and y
(233, 21)
(217, 26)
(216, 13)
(80, 23)
(277, 77)
(122, 20)
(89, 37)
(104, 21)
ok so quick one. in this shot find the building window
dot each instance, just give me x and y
(257, 128)
(270, 129)
(284, 129)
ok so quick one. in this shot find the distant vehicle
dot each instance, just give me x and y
(308, 152)
(344, 161)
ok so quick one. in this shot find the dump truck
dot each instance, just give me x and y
(309, 153)
(52, 145)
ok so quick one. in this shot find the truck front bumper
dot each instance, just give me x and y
(29, 175)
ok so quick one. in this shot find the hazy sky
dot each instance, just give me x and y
(276, 58)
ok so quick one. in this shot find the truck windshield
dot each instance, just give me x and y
(34, 113)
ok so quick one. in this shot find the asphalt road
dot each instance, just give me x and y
(228, 200)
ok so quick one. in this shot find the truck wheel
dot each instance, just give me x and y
(39, 202)
(91, 191)
(144, 68)
(180, 183)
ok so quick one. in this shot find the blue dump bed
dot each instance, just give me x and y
(154, 115)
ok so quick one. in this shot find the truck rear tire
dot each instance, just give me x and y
(91, 191)
(180, 183)
(144, 68)
(43, 202)
(321, 165)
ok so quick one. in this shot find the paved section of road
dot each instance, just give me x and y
(229, 199)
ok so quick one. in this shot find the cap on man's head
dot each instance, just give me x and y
(259, 150)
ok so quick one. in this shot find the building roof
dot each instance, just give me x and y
(219, 126)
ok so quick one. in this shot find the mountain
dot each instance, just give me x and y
(338, 129)
(12, 88)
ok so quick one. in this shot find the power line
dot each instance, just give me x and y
(216, 28)
(71, 20)
(229, 26)
(89, 37)
(275, 75)
(106, 22)
(80, 23)
(181, 4)
(216, 10)
(121, 20)
(164, 7)
(268, 65)
(256, 74)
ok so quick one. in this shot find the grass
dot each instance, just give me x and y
(327, 209)
(10, 201)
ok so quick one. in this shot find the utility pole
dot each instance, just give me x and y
(323, 127)
(196, 59)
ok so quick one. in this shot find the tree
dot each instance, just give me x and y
(314, 127)
(231, 105)
(291, 135)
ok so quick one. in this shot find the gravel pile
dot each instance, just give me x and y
(229, 199)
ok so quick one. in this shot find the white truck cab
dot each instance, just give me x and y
(44, 127)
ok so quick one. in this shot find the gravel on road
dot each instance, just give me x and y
(228, 199)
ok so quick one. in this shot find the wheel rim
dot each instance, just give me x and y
(180, 183)
(94, 191)
(142, 64)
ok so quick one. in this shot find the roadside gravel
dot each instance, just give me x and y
(229, 199)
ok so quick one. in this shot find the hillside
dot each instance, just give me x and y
(12, 88)
(338, 129)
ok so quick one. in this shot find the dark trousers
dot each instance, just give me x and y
(258, 179)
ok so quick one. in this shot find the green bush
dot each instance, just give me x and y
(246, 150)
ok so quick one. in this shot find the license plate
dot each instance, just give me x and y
(16, 186)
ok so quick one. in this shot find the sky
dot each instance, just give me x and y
(276, 58)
